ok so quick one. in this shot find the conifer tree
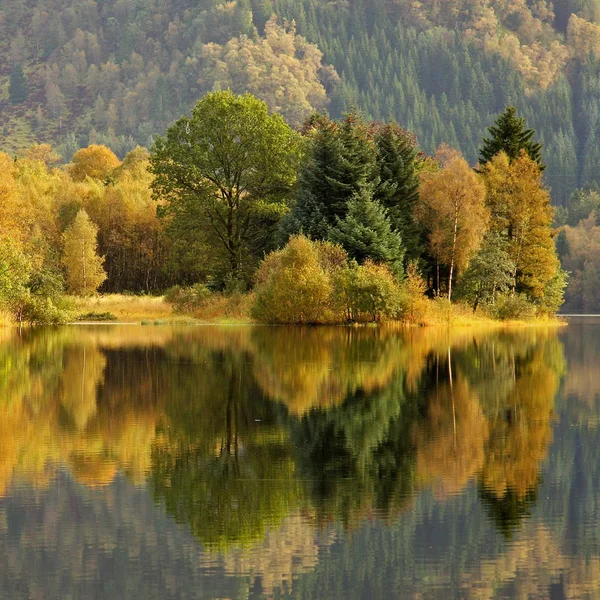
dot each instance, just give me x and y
(366, 233)
(18, 90)
(398, 189)
(84, 269)
(341, 161)
(509, 135)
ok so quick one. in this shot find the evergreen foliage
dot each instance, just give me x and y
(18, 88)
(366, 233)
(509, 135)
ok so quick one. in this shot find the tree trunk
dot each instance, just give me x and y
(454, 238)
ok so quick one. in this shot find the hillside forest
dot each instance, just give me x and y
(118, 72)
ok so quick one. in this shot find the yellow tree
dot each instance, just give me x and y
(521, 210)
(454, 210)
(85, 272)
(94, 161)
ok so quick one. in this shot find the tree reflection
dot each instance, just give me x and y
(234, 429)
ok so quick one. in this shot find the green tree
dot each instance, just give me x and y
(509, 135)
(366, 233)
(229, 170)
(489, 273)
(341, 161)
(84, 269)
(18, 89)
(398, 189)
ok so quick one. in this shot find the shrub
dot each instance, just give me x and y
(187, 299)
(292, 286)
(414, 306)
(512, 307)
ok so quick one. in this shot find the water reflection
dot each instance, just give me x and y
(251, 461)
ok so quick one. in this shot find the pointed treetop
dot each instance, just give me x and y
(510, 135)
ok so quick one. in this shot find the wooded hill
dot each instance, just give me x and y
(117, 72)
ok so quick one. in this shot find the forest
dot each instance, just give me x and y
(118, 72)
(344, 221)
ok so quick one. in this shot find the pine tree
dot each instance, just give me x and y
(509, 135)
(84, 269)
(18, 90)
(366, 233)
(398, 189)
(341, 162)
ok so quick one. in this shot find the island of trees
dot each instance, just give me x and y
(340, 221)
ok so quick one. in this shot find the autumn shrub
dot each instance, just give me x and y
(187, 299)
(510, 307)
(414, 305)
(366, 292)
(292, 286)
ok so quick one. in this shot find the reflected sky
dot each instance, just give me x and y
(259, 462)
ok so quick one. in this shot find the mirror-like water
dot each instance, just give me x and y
(207, 462)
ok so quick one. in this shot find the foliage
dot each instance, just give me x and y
(18, 90)
(520, 208)
(292, 285)
(490, 273)
(187, 299)
(30, 292)
(512, 307)
(454, 213)
(508, 135)
(366, 233)
(369, 290)
(414, 306)
(95, 161)
(84, 270)
(281, 68)
(232, 164)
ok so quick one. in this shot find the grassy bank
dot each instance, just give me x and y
(123, 308)
(236, 310)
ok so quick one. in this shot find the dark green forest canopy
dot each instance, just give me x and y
(119, 72)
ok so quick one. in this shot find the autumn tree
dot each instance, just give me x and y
(521, 210)
(453, 209)
(281, 68)
(509, 135)
(94, 161)
(227, 171)
(83, 266)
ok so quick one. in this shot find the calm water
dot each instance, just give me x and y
(201, 462)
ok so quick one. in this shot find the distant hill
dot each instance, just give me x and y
(117, 72)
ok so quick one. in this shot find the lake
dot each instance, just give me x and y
(272, 462)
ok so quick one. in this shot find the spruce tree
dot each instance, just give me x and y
(341, 161)
(509, 135)
(18, 90)
(366, 233)
(398, 188)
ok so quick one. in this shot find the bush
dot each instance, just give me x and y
(292, 285)
(414, 306)
(187, 299)
(367, 291)
(512, 307)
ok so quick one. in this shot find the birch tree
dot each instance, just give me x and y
(454, 211)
